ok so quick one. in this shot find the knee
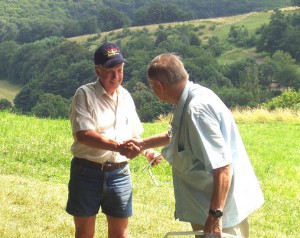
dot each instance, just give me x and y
(118, 234)
(84, 234)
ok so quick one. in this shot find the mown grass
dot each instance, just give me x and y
(34, 170)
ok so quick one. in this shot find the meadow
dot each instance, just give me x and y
(34, 170)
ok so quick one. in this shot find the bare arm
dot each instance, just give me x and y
(95, 140)
(155, 141)
(221, 186)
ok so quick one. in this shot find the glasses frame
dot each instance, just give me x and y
(148, 166)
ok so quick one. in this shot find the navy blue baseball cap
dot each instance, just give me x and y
(108, 55)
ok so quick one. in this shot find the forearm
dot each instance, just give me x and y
(221, 186)
(95, 140)
(155, 141)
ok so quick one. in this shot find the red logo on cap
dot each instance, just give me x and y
(112, 52)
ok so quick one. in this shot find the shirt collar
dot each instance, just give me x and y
(181, 102)
(101, 91)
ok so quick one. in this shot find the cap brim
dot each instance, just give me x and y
(113, 62)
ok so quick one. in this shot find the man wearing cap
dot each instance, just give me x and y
(102, 116)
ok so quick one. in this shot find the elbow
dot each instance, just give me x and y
(80, 135)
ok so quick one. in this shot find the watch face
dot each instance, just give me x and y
(218, 213)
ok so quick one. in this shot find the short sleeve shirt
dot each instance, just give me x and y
(205, 137)
(93, 109)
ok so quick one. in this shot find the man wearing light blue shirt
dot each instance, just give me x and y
(214, 183)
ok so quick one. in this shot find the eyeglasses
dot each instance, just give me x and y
(150, 171)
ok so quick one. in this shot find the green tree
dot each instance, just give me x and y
(234, 97)
(194, 39)
(27, 98)
(7, 51)
(109, 19)
(295, 2)
(50, 105)
(148, 106)
(238, 35)
(288, 99)
(161, 36)
(24, 63)
(5, 104)
(273, 34)
(215, 46)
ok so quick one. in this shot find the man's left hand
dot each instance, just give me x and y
(213, 227)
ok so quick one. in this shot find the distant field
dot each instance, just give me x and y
(8, 91)
(218, 27)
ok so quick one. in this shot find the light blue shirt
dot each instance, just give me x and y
(205, 137)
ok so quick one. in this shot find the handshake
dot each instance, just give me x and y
(133, 147)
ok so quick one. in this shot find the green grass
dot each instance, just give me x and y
(8, 91)
(34, 171)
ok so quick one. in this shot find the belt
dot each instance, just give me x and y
(103, 167)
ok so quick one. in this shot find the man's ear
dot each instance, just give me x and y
(97, 70)
(161, 85)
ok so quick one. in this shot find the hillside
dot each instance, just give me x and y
(219, 53)
(218, 27)
(24, 21)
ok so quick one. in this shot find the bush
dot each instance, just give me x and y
(5, 104)
(52, 106)
(288, 99)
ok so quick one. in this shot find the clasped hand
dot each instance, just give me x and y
(130, 149)
(133, 147)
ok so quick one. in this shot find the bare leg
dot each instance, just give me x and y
(84, 227)
(117, 227)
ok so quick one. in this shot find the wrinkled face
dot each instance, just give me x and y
(110, 78)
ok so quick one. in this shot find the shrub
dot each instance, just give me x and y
(52, 106)
(288, 99)
(5, 104)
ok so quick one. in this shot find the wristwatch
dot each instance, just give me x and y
(216, 213)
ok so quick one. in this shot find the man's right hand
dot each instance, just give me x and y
(129, 149)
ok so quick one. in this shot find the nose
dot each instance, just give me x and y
(115, 75)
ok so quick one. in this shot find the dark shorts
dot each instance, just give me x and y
(91, 188)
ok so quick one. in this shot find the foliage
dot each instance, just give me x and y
(60, 70)
(282, 33)
(5, 104)
(58, 66)
(239, 35)
(27, 21)
(288, 99)
(295, 2)
(149, 107)
(52, 106)
(280, 69)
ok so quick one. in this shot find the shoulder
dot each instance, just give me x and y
(87, 88)
(124, 93)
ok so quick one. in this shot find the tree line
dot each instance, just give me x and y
(50, 70)
(28, 21)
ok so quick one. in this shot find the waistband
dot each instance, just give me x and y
(103, 167)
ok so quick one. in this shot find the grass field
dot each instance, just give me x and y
(34, 171)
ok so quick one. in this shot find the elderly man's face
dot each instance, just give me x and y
(110, 78)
